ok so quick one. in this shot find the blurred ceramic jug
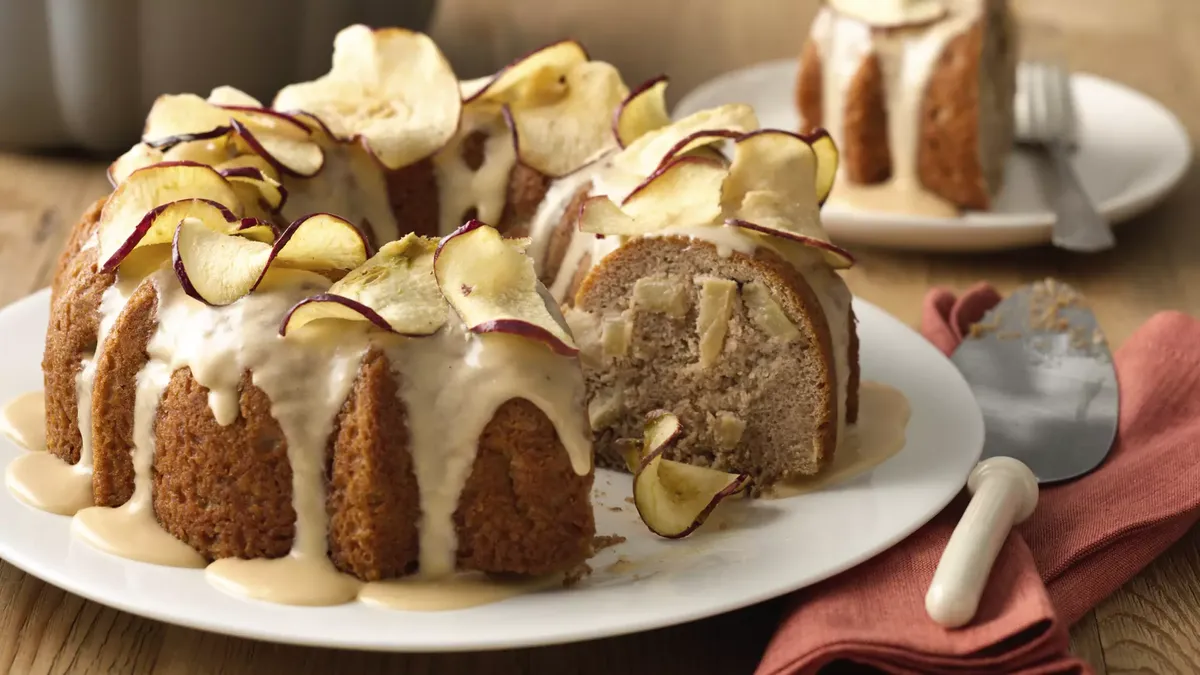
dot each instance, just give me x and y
(84, 72)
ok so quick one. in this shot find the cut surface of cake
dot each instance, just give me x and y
(918, 95)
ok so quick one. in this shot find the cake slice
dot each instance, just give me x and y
(918, 95)
(707, 288)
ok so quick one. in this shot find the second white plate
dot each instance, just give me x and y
(1132, 152)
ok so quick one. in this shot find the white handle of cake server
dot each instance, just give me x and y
(1004, 492)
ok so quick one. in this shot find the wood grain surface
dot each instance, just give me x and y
(1151, 625)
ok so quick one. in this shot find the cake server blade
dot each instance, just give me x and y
(1043, 375)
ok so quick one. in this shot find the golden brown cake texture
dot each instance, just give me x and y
(523, 509)
(782, 392)
(963, 125)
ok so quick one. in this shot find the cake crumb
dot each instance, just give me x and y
(577, 574)
(603, 541)
(615, 509)
(629, 500)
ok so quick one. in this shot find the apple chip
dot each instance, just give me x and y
(642, 111)
(258, 230)
(674, 498)
(297, 156)
(392, 87)
(271, 193)
(559, 137)
(521, 79)
(492, 285)
(649, 151)
(697, 141)
(232, 96)
(771, 160)
(684, 192)
(214, 268)
(278, 137)
(827, 162)
(123, 220)
(395, 290)
(770, 214)
(321, 242)
(139, 156)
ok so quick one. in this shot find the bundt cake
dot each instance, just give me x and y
(287, 347)
(918, 95)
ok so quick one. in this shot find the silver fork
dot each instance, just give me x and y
(1045, 120)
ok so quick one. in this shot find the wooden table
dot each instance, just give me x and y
(1151, 625)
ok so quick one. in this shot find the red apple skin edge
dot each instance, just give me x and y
(169, 142)
(368, 313)
(181, 273)
(737, 485)
(665, 168)
(526, 330)
(638, 91)
(469, 226)
(248, 136)
(519, 59)
(703, 133)
(254, 174)
(268, 112)
(143, 227)
(845, 260)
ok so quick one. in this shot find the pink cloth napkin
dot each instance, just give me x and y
(1086, 538)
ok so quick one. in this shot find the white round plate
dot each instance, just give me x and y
(1132, 152)
(765, 549)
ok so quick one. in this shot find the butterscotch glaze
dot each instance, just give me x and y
(23, 420)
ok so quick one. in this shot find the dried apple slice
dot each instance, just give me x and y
(648, 152)
(297, 156)
(137, 157)
(770, 214)
(772, 160)
(697, 140)
(280, 138)
(684, 192)
(395, 290)
(674, 498)
(218, 268)
(545, 64)
(214, 268)
(121, 227)
(158, 226)
(492, 285)
(321, 241)
(559, 137)
(392, 87)
(258, 230)
(827, 162)
(225, 95)
(643, 111)
(270, 191)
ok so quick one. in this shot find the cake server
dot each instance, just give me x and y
(1043, 375)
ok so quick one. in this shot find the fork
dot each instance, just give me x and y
(1045, 121)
